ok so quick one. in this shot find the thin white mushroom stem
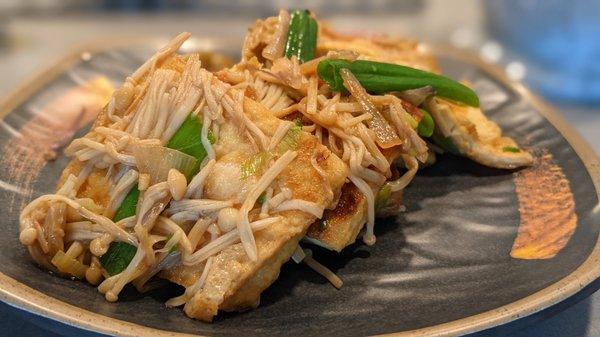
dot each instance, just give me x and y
(195, 188)
(225, 241)
(263, 183)
(369, 237)
(194, 288)
(412, 165)
(106, 223)
(168, 50)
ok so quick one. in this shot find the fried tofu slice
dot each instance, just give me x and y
(377, 48)
(475, 136)
(348, 218)
(472, 133)
(94, 192)
(96, 187)
(342, 224)
(234, 282)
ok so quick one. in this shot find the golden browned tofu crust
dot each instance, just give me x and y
(343, 223)
(234, 281)
(476, 136)
(377, 48)
(96, 186)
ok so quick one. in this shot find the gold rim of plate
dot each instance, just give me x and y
(21, 296)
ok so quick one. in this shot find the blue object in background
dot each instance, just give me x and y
(559, 42)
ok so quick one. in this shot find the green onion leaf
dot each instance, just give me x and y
(377, 77)
(188, 140)
(323, 224)
(68, 265)
(157, 161)
(383, 197)
(290, 140)
(426, 125)
(117, 257)
(511, 149)
(128, 205)
(302, 36)
(255, 164)
(119, 254)
(175, 246)
(262, 198)
(444, 142)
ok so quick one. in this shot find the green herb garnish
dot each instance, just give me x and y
(377, 77)
(426, 125)
(323, 224)
(117, 257)
(119, 254)
(382, 198)
(511, 149)
(188, 140)
(255, 164)
(302, 36)
(128, 205)
(262, 198)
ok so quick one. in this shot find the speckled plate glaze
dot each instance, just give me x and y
(440, 268)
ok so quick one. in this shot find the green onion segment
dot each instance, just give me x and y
(187, 139)
(302, 36)
(377, 77)
(426, 125)
(511, 149)
(117, 257)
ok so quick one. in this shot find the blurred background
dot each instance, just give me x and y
(551, 45)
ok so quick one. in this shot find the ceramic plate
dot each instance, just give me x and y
(443, 266)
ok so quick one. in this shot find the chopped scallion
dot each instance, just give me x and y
(117, 257)
(302, 36)
(377, 77)
(511, 149)
(426, 125)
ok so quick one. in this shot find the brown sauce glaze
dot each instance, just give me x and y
(547, 210)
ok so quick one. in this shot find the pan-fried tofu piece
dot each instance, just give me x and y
(95, 188)
(234, 281)
(343, 223)
(377, 48)
(477, 137)
(349, 216)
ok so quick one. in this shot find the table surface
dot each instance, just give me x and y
(34, 42)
